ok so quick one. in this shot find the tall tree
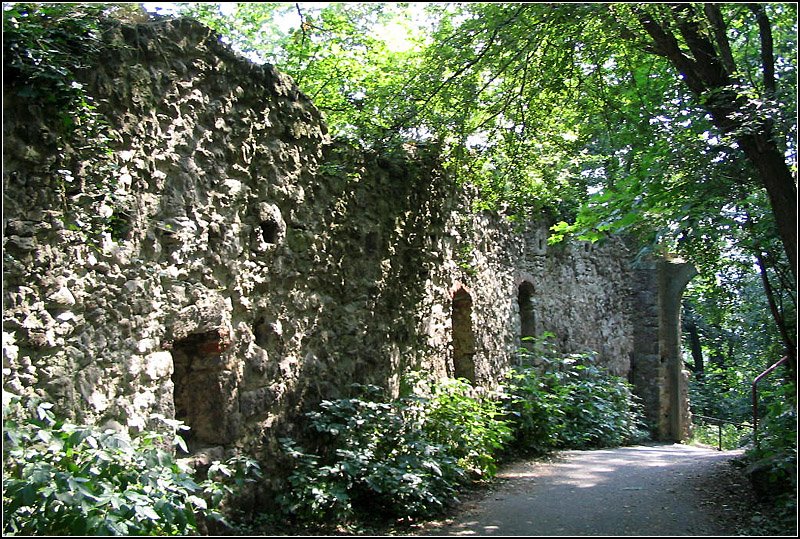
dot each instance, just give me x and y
(694, 38)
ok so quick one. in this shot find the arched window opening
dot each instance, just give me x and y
(463, 336)
(527, 316)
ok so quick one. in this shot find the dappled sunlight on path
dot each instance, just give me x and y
(639, 490)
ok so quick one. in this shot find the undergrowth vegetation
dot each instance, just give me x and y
(775, 452)
(770, 457)
(365, 460)
(61, 478)
(405, 458)
(374, 457)
(571, 403)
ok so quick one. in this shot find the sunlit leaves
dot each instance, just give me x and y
(67, 479)
(538, 104)
(341, 55)
(569, 402)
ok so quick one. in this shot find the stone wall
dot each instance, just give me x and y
(582, 293)
(252, 266)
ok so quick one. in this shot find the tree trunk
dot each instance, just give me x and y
(698, 366)
(763, 153)
(791, 346)
(705, 74)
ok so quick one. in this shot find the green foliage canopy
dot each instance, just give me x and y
(568, 106)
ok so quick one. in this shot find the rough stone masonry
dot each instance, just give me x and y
(249, 266)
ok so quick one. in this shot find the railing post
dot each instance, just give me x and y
(720, 423)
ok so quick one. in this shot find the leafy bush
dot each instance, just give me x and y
(60, 478)
(406, 457)
(402, 457)
(600, 410)
(570, 403)
(373, 459)
(470, 427)
(534, 408)
(777, 428)
(47, 47)
(777, 439)
(45, 44)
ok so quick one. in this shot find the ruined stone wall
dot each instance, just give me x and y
(583, 294)
(261, 266)
(252, 267)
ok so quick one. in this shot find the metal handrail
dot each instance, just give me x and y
(755, 395)
(717, 419)
(720, 422)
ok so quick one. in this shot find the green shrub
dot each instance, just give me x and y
(470, 427)
(534, 409)
(777, 439)
(402, 457)
(60, 478)
(373, 458)
(407, 457)
(722, 392)
(601, 410)
(777, 428)
(570, 403)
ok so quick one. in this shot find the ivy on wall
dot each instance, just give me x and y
(46, 48)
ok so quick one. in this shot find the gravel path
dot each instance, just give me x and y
(640, 490)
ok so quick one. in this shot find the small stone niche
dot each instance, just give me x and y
(527, 317)
(271, 230)
(203, 388)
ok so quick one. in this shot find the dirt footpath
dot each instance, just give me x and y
(639, 490)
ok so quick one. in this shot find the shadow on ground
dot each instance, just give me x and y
(638, 490)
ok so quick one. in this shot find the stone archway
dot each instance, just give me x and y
(673, 278)
(657, 365)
